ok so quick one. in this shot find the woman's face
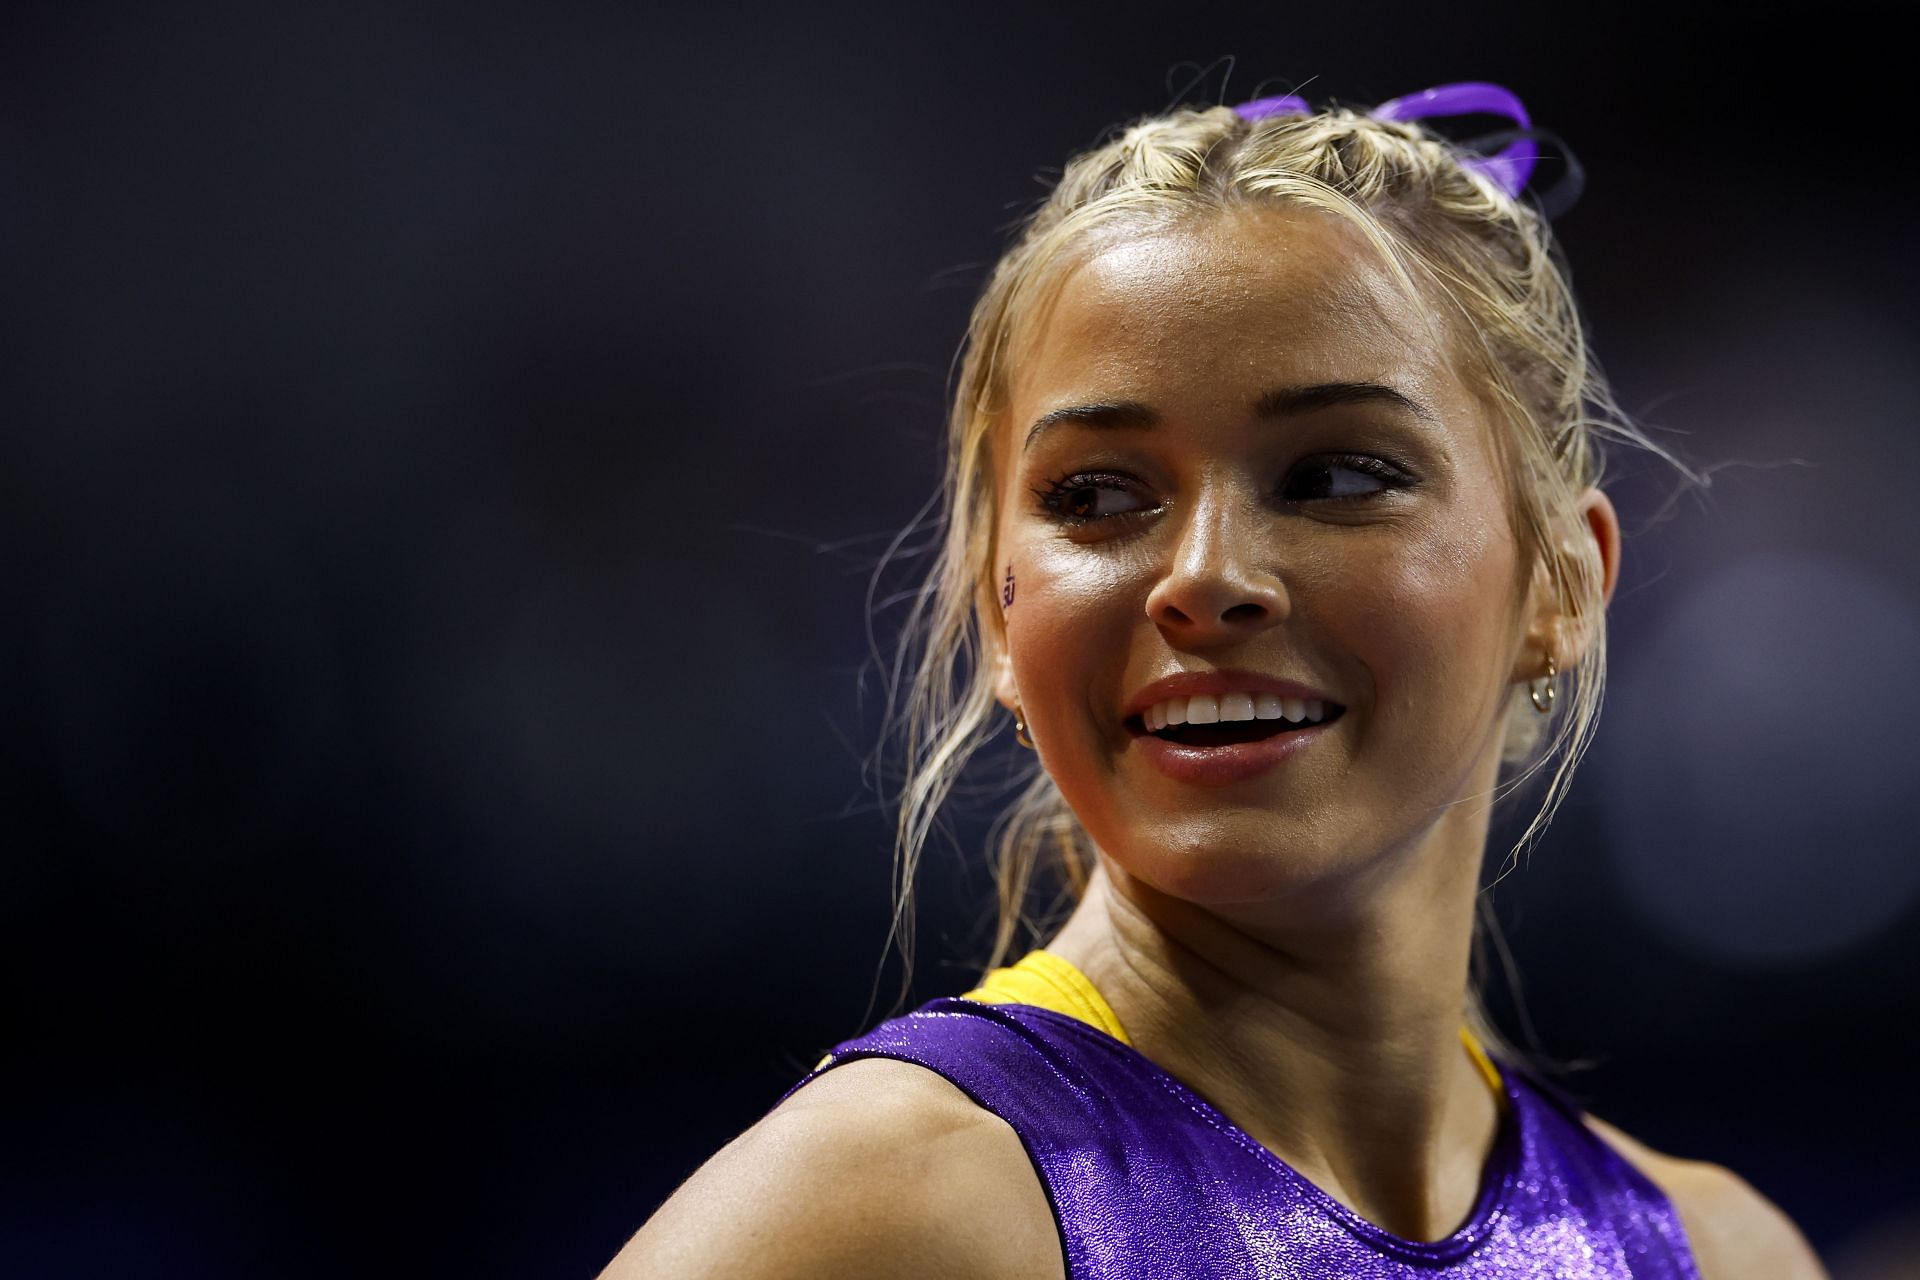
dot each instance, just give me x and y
(1241, 460)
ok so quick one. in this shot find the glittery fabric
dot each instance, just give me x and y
(1147, 1180)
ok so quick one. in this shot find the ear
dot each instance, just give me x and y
(1593, 541)
(1004, 690)
(1602, 524)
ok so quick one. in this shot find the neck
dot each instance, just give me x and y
(1359, 1022)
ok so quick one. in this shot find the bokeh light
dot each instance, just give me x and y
(1768, 817)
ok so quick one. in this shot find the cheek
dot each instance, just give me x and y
(1434, 628)
(1070, 615)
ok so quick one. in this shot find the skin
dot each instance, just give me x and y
(1324, 907)
(1310, 924)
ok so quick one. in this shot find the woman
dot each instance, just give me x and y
(1273, 518)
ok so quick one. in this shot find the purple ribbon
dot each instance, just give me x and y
(1510, 168)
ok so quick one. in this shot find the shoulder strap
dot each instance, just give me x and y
(1051, 982)
(1132, 1173)
(1623, 1204)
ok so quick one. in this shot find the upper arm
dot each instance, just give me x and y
(1736, 1233)
(876, 1169)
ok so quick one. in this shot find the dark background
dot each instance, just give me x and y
(445, 447)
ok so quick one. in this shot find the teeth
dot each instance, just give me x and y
(1236, 706)
(1210, 709)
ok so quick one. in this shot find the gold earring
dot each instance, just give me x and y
(1020, 734)
(1542, 691)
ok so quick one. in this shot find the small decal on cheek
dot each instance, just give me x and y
(1006, 589)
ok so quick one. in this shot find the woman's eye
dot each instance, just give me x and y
(1092, 497)
(1336, 477)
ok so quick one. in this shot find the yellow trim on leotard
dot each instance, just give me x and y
(1044, 979)
(1480, 1059)
(1047, 981)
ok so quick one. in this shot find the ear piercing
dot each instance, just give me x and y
(1020, 734)
(1542, 691)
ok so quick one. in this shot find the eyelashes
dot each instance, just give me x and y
(1326, 480)
(1322, 479)
(1077, 499)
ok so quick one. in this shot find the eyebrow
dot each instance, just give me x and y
(1281, 402)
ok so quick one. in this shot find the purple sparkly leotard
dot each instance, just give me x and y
(1149, 1182)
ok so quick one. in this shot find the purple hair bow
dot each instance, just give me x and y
(1510, 168)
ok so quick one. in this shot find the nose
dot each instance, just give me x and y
(1222, 583)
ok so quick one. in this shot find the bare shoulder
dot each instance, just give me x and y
(1735, 1231)
(877, 1168)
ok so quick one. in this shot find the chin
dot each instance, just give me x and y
(1225, 862)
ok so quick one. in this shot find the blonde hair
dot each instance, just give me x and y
(1450, 236)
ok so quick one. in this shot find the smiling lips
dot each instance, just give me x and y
(1204, 708)
(1217, 727)
(1226, 696)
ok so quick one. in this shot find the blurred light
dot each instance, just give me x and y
(1889, 1249)
(1760, 753)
